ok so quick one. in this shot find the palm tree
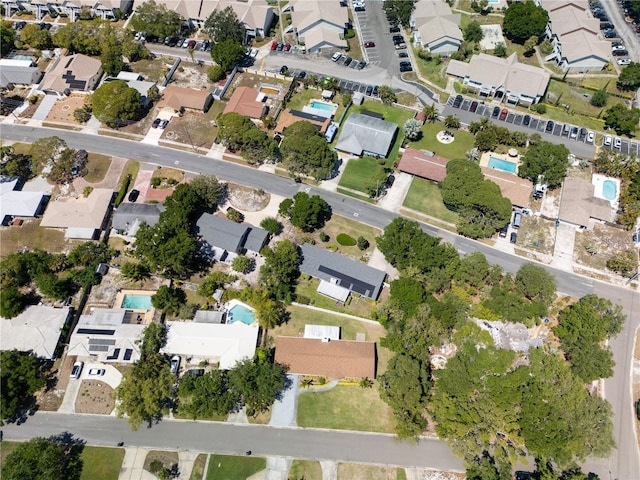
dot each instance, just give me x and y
(431, 112)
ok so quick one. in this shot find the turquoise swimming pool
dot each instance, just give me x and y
(504, 165)
(240, 313)
(136, 302)
(609, 190)
(323, 106)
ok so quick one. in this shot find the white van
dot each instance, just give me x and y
(517, 218)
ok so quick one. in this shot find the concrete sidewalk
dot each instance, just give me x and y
(133, 465)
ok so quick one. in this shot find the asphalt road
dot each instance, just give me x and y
(225, 438)
(624, 29)
(625, 464)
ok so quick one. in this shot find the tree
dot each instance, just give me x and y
(622, 119)
(412, 129)
(523, 20)
(399, 10)
(599, 98)
(35, 37)
(156, 19)
(90, 253)
(115, 103)
(629, 78)
(530, 44)
(257, 383)
(431, 112)
(111, 55)
(308, 213)
(135, 271)
(21, 375)
(279, 273)
(624, 263)
(169, 299)
(7, 37)
(238, 132)
(451, 121)
(56, 458)
(473, 270)
(386, 93)
(45, 151)
(404, 387)
(547, 159)
(208, 395)
(15, 164)
(406, 294)
(12, 301)
(223, 25)
(242, 264)
(537, 284)
(486, 140)
(304, 151)
(362, 243)
(271, 225)
(473, 32)
(500, 50)
(214, 281)
(227, 53)
(215, 73)
(208, 189)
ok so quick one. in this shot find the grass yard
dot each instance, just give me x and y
(391, 114)
(425, 197)
(101, 463)
(305, 469)
(6, 448)
(356, 305)
(302, 97)
(230, 467)
(98, 166)
(345, 407)
(33, 236)
(197, 473)
(573, 95)
(360, 172)
(132, 168)
(339, 224)
(195, 128)
(461, 145)
(168, 459)
(152, 70)
(354, 471)
(21, 148)
(433, 70)
(168, 173)
(537, 234)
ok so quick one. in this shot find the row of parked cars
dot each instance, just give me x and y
(348, 61)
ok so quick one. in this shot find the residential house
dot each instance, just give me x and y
(436, 28)
(517, 190)
(37, 329)
(19, 72)
(334, 359)
(249, 102)
(179, 98)
(579, 206)
(288, 117)
(364, 134)
(318, 24)
(224, 240)
(82, 217)
(221, 343)
(504, 79)
(128, 217)
(335, 269)
(75, 73)
(107, 335)
(15, 203)
(136, 81)
(424, 164)
(578, 46)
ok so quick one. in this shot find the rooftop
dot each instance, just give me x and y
(423, 164)
(17, 203)
(178, 97)
(288, 117)
(73, 72)
(36, 329)
(129, 216)
(83, 212)
(364, 133)
(247, 101)
(517, 190)
(578, 203)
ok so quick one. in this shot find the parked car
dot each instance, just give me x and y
(496, 112)
(504, 113)
(395, 29)
(205, 45)
(284, 69)
(608, 140)
(196, 372)
(620, 53)
(624, 61)
(457, 101)
(610, 34)
(191, 44)
(280, 46)
(163, 124)
(175, 364)
(133, 195)
(369, 44)
(503, 231)
(301, 74)
(287, 47)
(96, 372)
(369, 90)
(514, 237)
(574, 133)
(76, 370)
(617, 143)
(361, 65)
(347, 61)
(156, 123)
(406, 68)
(549, 127)
(473, 107)
(590, 137)
(335, 57)
(403, 54)
(583, 133)
(274, 45)
(606, 25)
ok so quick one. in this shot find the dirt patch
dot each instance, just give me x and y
(31, 109)
(537, 234)
(95, 397)
(247, 199)
(168, 459)
(153, 70)
(191, 75)
(50, 398)
(603, 242)
(62, 110)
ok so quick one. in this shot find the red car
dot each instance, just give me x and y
(369, 44)
(503, 113)
(287, 47)
(274, 45)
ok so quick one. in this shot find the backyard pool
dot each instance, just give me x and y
(323, 106)
(609, 190)
(133, 301)
(504, 165)
(240, 313)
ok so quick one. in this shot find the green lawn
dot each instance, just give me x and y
(573, 95)
(6, 448)
(230, 467)
(433, 70)
(305, 469)
(391, 114)
(356, 304)
(101, 463)
(345, 407)
(370, 472)
(303, 97)
(339, 224)
(98, 165)
(197, 472)
(360, 172)
(33, 236)
(458, 149)
(424, 196)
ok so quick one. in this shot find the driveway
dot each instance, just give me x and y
(45, 107)
(70, 394)
(564, 247)
(283, 412)
(394, 198)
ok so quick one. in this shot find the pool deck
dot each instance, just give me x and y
(484, 160)
(598, 181)
(148, 314)
(234, 303)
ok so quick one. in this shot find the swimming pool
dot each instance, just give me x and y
(504, 165)
(136, 302)
(240, 313)
(609, 190)
(323, 106)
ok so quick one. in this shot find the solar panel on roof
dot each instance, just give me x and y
(346, 281)
(101, 341)
(127, 354)
(69, 62)
(114, 355)
(95, 331)
(98, 348)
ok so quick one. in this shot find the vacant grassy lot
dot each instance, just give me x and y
(101, 463)
(339, 224)
(356, 305)
(607, 241)
(98, 166)
(305, 469)
(195, 129)
(197, 472)
(32, 236)
(229, 467)
(345, 407)
(573, 95)
(354, 471)
(537, 234)
(462, 143)
(152, 70)
(425, 196)
(361, 172)
(433, 70)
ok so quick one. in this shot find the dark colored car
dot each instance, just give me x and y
(610, 34)
(496, 112)
(504, 113)
(457, 101)
(398, 39)
(620, 53)
(549, 127)
(394, 30)
(503, 231)
(287, 47)
(133, 195)
(361, 65)
(347, 61)
(283, 69)
(375, 91)
(301, 74)
(406, 68)
(191, 44)
(156, 122)
(514, 237)
(473, 107)
(405, 63)
(583, 133)
(280, 46)
(369, 44)
(526, 120)
(196, 372)
(369, 90)
(403, 54)
(606, 25)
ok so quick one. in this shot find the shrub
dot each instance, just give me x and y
(156, 181)
(600, 98)
(216, 73)
(540, 108)
(234, 215)
(350, 34)
(33, 99)
(362, 243)
(345, 240)
(86, 191)
(324, 237)
(123, 190)
(271, 225)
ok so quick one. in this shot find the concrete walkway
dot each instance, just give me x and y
(394, 198)
(283, 412)
(70, 394)
(277, 468)
(186, 459)
(133, 465)
(329, 470)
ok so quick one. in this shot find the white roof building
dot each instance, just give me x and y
(436, 27)
(37, 329)
(80, 216)
(17, 203)
(318, 23)
(322, 332)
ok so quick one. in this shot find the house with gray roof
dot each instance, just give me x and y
(19, 72)
(128, 217)
(224, 240)
(339, 270)
(366, 135)
(436, 28)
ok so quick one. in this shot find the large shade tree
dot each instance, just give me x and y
(523, 20)
(304, 151)
(21, 375)
(55, 458)
(116, 104)
(156, 19)
(224, 25)
(547, 159)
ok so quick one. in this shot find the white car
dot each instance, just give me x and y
(253, 53)
(96, 372)
(617, 143)
(336, 56)
(608, 140)
(590, 137)
(77, 370)
(175, 364)
(624, 61)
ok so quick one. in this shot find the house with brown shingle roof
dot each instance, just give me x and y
(424, 164)
(578, 204)
(248, 102)
(517, 190)
(179, 98)
(333, 359)
(288, 117)
(77, 73)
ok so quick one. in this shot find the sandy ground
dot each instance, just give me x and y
(63, 109)
(95, 397)
(247, 199)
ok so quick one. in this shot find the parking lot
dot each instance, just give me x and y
(345, 85)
